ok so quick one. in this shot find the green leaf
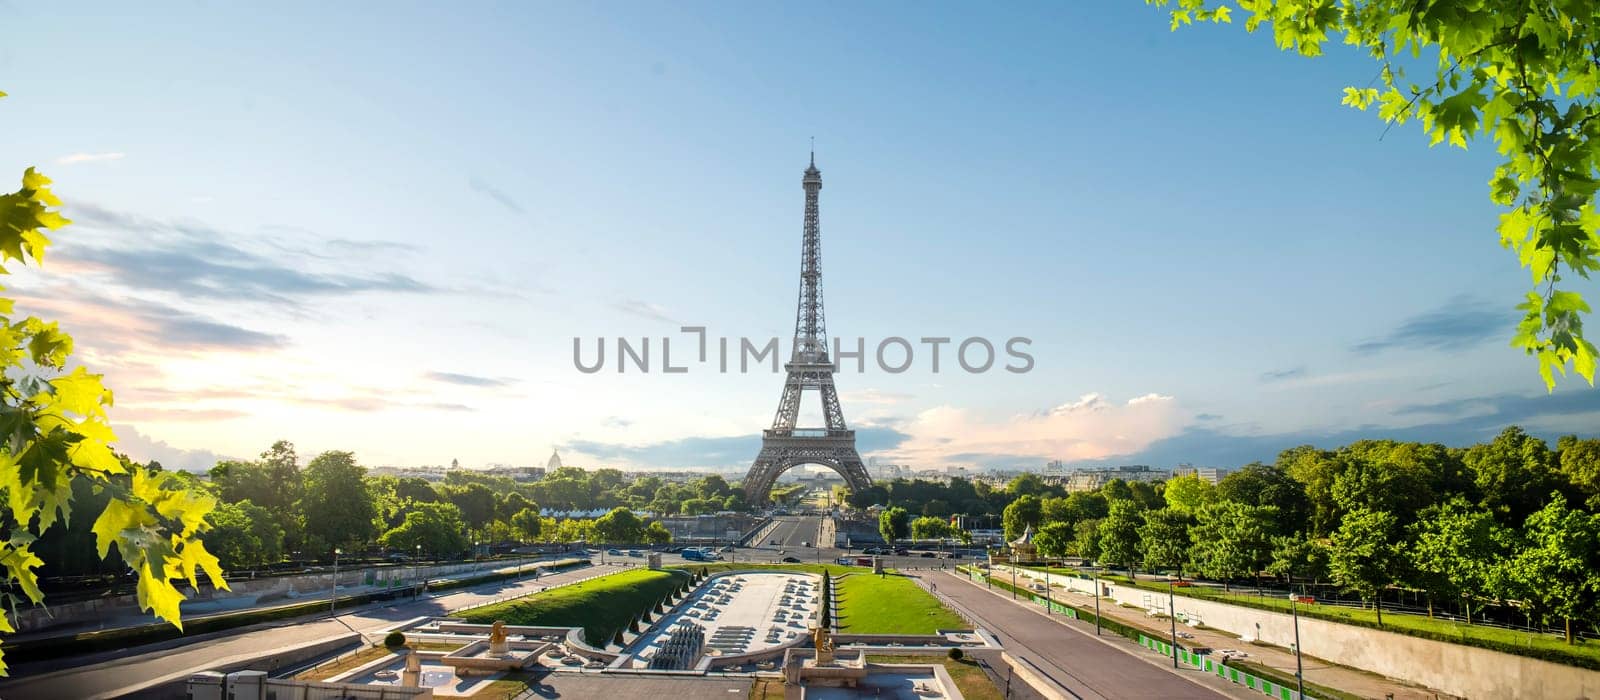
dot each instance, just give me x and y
(120, 515)
(82, 393)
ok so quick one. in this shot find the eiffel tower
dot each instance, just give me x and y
(809, 367)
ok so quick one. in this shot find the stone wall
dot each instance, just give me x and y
(1458, 669)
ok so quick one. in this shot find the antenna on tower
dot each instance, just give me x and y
(813, 151)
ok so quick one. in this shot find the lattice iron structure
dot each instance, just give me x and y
(786, 445)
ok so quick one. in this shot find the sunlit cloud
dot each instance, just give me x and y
(77, 158)
(1090, 427)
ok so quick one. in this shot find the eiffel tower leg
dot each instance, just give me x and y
(763, 473)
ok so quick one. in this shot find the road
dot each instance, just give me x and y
(1089, 667)
(92, 678)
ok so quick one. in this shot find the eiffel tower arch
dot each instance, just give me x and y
(784, 445)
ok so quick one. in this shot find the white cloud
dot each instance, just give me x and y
(76, 158)
(1092, 427)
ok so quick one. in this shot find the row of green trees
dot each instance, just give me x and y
(1509, 521)
(272, 508)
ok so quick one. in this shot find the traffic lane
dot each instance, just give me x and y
(1105, 669)
(135, 667)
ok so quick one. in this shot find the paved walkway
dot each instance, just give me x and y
(1317, 671)
(1085, 666)
(89, 678)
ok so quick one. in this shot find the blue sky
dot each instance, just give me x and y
(379, 228)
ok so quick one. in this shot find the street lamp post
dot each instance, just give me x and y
(1013, 566)
(475, 545)
(1172, 616)
(1096, 600)
(416, 570)
(333, 599)
(1299, 670)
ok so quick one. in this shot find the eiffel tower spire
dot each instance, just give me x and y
(809, 368)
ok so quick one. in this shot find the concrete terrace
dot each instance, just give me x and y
(741, 613)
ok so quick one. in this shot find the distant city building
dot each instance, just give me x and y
(516, 473)
(555, 461)
(1211, 474)
(1093, 479)
(887, 472)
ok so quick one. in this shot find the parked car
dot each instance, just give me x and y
(614, 552)
(790, 560)
(927, 555)
(901, 551)
(635, 553)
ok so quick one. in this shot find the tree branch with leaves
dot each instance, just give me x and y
(1525, 75)
(56, 432)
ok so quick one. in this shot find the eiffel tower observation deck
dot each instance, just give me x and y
(810, 368)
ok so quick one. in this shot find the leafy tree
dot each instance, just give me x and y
(1293, 555)
(699, 506)
(1231, 539)
(527, 523)
(1454, 548)
(1164, 539)
(1020, 515)
(57, 433)
(894, 524)
(1514, 472)
(1364, 556)
(1119, 535)
(274, 486)
(1368, 485)
(244, 535)
(656, 533)
(437, 527)
(1316, 471)
(1147, 495)
(1116, 490)
(937, 508)
(735, 502)
(619, 526)
(1259, 484)
(476, 503)
(1521, 73)
(713, 487)
(1027, 484)
(930, 528)
(510, 504)
(1580, 464)
(1054, 540)
(1557, 570)
(416, 489)
(337, 506)
(1185, 494)
(873, 495)
(1086, 539)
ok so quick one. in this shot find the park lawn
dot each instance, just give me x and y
(973, 683)
(601, 606)
(1532, 644)
(892, 604)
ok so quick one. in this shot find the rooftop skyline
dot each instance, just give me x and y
(381, 233)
